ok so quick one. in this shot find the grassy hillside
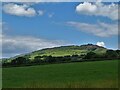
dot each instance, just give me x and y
(98, 74)
(68, 50)
(63, 51)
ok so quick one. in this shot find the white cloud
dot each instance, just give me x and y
(100, 29)
(40, 12)
(19, 10)
(102, 44)
(98, 9)
(13, 45)
(86, 7)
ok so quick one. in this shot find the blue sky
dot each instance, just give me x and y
(32, 26)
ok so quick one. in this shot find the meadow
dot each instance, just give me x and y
(97, 74)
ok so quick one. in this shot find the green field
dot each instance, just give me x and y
(97, 74)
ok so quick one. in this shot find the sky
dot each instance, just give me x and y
(27, 27)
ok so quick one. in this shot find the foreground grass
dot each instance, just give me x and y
(98, 74)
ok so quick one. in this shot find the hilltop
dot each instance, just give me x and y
(64, 51)
(68, 50)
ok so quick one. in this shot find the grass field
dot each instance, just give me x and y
(97, 74)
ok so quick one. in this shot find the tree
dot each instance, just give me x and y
(90, 55)
(111, 54)
(18, 61)
(49, 59)
(118, 52)
(75, 57)
(38, 59)
(67, 58)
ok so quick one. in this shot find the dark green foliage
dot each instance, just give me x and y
(18, 61)
(91, 55)
(118, 52)
(111, 54)
(49, 59)
(38, 59)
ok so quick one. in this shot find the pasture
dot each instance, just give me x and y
(97, 74)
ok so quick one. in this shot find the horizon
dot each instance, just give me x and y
(28, 27)
(53, 47)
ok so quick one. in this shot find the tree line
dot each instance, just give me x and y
(90, 56)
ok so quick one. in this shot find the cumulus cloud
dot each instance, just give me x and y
(98, 9)
(100, 29)
(19, 10)
(86, 7)
(13, 45)
(102, 44)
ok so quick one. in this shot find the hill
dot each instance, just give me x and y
(63, 54)
(68, 50)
